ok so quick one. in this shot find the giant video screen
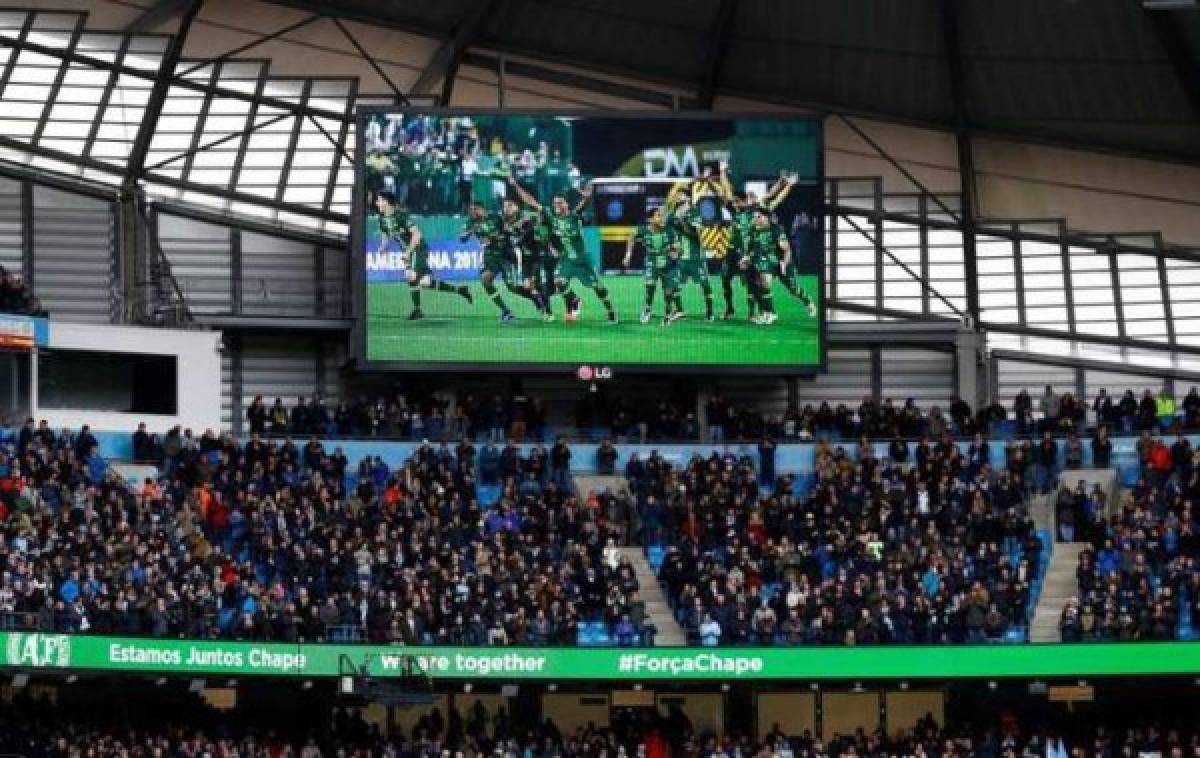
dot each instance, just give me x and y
(549, 241)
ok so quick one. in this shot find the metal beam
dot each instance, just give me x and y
(217, 142)
(156, 15)
(952, 38)
(877, 241)
(719, 32)
(444, 64)
(158, 94)
(371, 60)
(1183, 59)
(248, 46)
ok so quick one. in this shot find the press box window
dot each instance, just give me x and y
(89, 380)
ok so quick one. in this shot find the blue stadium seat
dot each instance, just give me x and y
(593, 634)
(1016, 634)
(655, 554)
(488, 494)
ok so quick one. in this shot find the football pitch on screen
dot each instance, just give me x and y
(454, 331)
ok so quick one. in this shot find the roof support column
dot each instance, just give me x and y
(951, 34)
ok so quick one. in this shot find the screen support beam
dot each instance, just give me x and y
(370, 59)
(952, 38)
(714, 57)
(445, 61)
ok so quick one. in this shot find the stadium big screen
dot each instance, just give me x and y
(553, 241)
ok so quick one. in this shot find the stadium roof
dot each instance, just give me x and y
(1100, 73)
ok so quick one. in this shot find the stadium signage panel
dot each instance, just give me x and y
(37, 651)
(23, 332)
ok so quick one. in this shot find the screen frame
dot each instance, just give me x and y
(358, 338)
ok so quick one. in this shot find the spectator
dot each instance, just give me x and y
(1101, 447)
(606, 458)
(766, 461)
(1073, 452)
(1102, 406)
(257, 415)
(1045, 463)
(560, 465)
(1191, 409)
(1164, 409)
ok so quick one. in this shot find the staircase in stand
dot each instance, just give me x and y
(1059, 586)
(658, 610)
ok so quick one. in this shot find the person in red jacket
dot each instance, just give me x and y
(1160, 463)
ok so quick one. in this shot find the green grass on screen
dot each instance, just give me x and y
(453, 331)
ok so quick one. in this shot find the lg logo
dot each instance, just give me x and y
(589, 373)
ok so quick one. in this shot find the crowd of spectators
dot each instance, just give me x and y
(16, 297)
(1139, 578)
(37, 728)
(276, 541)
(440, 164)
(934, 549)
(600, 414)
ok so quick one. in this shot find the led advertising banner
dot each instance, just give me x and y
(39, 651)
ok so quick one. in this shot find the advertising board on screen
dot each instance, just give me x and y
(551, 241)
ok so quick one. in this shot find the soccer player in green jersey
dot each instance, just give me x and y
(498, 262)
(693, 266)
(564, 227)
(767, 250)
(399, 226)
(528, 254)
(661, 247)
(741, 209)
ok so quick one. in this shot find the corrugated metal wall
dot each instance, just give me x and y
(1014, 376)
(73, 255)
(201, 258)
(848, 380)
(12, 238)
(927, 376)
(227, 414)
(278, 367)
(335, 283)
(278, 276)
(1117, 382)
(766, 393)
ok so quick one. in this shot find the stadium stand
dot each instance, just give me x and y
(158, 725)
(279, 542)
(914, 542)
